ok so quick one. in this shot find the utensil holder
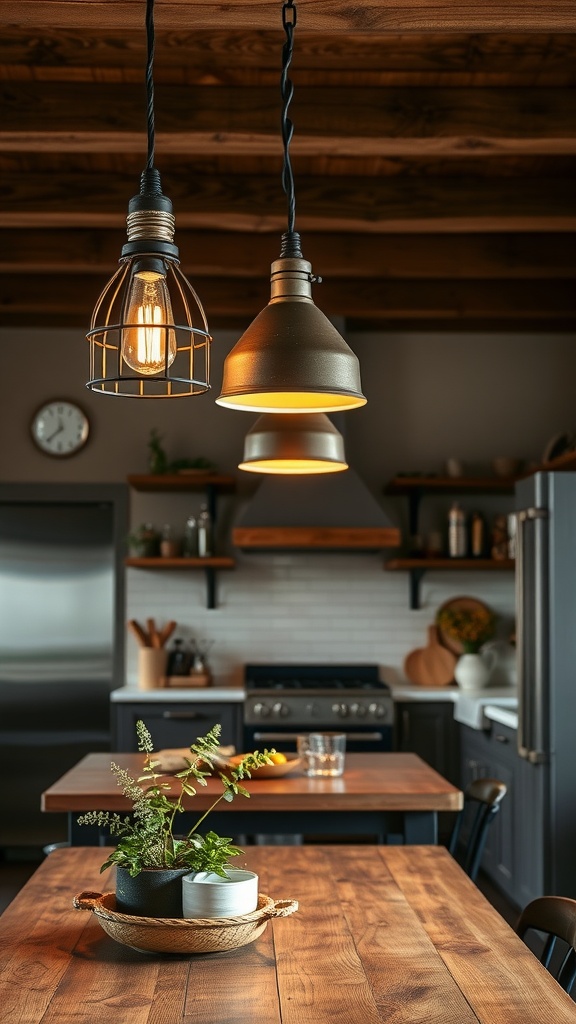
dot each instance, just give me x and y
(152, 662)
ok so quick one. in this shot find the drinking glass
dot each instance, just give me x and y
(322, 753)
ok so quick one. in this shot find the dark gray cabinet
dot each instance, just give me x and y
(427, 728)
(512, 859)
(175, 724)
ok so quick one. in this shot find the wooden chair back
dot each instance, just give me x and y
(482, 800)
(556, 917)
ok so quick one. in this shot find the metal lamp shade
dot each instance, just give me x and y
(291, 359)
(288, 444)
(182, 339)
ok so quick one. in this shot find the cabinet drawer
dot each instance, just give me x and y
(175, 724)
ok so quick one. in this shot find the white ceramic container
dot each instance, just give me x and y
(205, 894)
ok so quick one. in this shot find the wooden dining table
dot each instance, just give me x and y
(394, 797)
(382, 934)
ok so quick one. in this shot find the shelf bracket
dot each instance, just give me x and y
(415, 577)
(210, 587)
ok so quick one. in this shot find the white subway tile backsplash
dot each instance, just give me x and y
(298, 608)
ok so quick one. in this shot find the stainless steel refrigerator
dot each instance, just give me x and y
(61, 640)
(546, 661)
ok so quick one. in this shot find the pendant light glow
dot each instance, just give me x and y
(150, 346)
(293, 445)
(291, 359)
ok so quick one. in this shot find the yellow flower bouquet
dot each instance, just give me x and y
(472, 627)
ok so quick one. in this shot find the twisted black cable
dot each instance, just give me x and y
(150, 80)
(150, 178)
(287, 91)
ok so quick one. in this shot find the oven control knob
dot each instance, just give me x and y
(261, 709)
(378, 710)
(358, 709)
(341, 710)
(279, 709)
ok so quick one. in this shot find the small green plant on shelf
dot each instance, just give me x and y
(159, 463)
(148, 838)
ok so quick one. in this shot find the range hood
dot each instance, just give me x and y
(333, 512)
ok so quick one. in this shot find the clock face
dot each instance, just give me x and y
(60, 428)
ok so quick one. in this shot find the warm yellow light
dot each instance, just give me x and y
(292, 402)
(293, 467)
(148, 308)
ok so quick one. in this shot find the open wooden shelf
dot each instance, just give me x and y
(447, 484)
(197, 480)
(495, 564)
(214, 562)
(415, 488)
(417, 567)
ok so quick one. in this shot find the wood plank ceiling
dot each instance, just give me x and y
(434, 154)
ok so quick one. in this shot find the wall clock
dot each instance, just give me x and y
(60, 428)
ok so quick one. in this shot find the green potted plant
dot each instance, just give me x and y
(151, 856)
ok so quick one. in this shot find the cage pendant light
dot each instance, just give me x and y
(291, 359)
(148, 335)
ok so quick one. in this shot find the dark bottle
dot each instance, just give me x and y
(179, 660)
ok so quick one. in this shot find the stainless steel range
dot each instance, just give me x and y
(284, 700)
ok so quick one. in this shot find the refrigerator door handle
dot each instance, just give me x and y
(532, 636)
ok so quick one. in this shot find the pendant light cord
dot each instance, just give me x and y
(150, 177)
(290, 239)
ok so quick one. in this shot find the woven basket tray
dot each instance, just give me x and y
(182, 935)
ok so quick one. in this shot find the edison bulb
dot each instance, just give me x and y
(148, 311)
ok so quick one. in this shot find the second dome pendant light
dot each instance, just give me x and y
(291, 359)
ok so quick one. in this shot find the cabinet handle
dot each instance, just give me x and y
(500, 738)
(182, 715)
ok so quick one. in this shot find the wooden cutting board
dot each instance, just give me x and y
(432, 665)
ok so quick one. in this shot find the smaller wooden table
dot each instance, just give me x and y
(395, 797)
(382, 934)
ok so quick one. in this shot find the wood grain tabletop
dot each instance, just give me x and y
(382, 934)
(371, 782)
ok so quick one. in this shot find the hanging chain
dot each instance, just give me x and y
(287, 92)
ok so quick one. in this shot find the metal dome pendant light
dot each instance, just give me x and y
(148, 336)
(293, 445)
(291, 359)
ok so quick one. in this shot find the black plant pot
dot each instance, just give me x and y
(155, 892)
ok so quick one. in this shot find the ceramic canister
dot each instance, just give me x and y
(206, 894)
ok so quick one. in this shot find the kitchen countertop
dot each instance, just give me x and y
(504, 716)
(470, 707)
(176, 694)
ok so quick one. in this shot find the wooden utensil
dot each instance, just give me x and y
(139, 633)
(153, 637)
(432, 665)
(166, 632)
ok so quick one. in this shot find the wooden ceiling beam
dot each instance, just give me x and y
(359, 122)
(365, 298)
(332, 16)
(215, 51)
(380, 325)
(210, 254)
(257, 204)
(472, 325)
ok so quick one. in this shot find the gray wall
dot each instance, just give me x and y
(429, 397)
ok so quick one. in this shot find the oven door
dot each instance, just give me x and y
(358, 739)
